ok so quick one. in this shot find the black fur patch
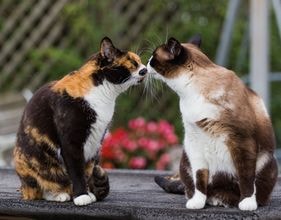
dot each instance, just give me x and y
(169, 65)
(113, 74)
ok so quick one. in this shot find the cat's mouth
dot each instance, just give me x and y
(141, 80)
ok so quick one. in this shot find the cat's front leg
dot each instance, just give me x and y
(200, 175)
(244, 157)
(75, 164)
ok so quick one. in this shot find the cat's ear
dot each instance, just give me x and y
(107, 49)
(174, 48)
(196, 40)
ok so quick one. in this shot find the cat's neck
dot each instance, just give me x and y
(104, 94)
(181, 84)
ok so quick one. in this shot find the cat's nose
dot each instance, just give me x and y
(143, 71)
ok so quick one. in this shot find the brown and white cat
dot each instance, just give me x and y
(64, 123)
(229, 141)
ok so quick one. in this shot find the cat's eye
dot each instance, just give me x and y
(135, 63)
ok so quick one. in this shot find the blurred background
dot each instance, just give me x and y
(42, 40)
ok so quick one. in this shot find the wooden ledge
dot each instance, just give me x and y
(133, 195)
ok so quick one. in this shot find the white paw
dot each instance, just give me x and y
(197, 201)
(93, 197)
(62, 197)
(85, 199)
(248, 204)
(56, 197)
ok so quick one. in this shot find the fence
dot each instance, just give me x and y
(39, 24)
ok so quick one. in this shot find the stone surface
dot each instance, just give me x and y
(133, 195)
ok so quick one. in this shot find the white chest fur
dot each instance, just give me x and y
(194, 107)
(212, 152)
(201, 147)
(104, 108)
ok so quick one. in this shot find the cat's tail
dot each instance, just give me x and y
(99, 183)
(171, 184)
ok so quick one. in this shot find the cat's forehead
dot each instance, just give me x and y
(133, 56)
(161, 53)
(129, 60)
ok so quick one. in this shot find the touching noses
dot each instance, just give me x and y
(143, 71)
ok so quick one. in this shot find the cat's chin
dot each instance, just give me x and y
(140, 80)
(153, 73)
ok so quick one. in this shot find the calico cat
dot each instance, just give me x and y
(60, 133)
(229, 141)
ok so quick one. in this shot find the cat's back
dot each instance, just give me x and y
(37, 119)
(41, 100)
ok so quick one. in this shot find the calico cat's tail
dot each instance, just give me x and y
(99, 183)
(171, 184)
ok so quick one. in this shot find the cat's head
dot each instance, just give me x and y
(110, 69)
(173, 59)
(118, 67)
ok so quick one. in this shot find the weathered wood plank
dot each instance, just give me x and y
(133, 195)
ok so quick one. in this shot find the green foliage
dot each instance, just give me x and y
(66, 61)
(88, 21)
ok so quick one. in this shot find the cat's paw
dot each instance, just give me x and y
(198, 201)
(195, 203)
(62, 197)
(248, 204)
(56, 197)
(93, 197)
(85, 199)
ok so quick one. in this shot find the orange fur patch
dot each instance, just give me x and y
(78, 83)
(23, 168)
(29, 193)
(39, 138)
(89, 169)
(126, 61)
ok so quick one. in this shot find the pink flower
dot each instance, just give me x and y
(151, 127)
(129, 145)
(119, 155)
(165, 127)
(152, 146)
(142, 142)
(138, 123)
(162, 144)
(171, 138)
(150, 139)
(137, 163)
(114, 138)
(163, 162)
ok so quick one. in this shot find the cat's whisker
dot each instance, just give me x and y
(152, 44)
(158, 39)
(167, 34)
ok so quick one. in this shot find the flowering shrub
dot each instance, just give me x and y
(143, 145)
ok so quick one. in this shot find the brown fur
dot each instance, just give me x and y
(202, 177)
(186, 175)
